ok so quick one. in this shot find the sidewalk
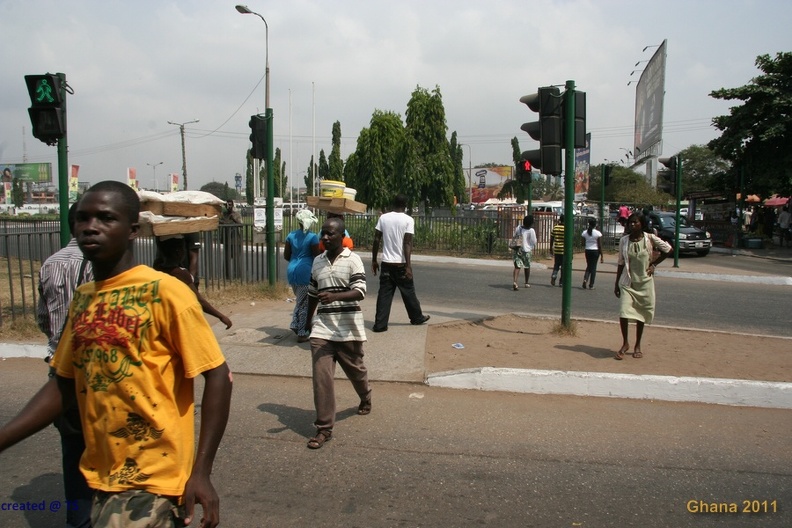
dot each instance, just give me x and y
(260, 343)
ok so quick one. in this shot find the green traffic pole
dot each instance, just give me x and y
(271, 257)
(569, 196)
(63, 171)
(678, 178)
(742, 205)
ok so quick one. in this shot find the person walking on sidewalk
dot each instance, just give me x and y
(134, 341)
(59, 276)
(557, 243)
(522, 255)
(592, 240)
(300, 249)
(338, 284)
(395, 231)
(635, 279)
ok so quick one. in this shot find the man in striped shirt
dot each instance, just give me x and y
(557, 243)
(338, 284)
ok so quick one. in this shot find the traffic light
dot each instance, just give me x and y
(667, 179)
(548, 130)
(607, 173)
(48, 107)
(580, 120)
(258, 136)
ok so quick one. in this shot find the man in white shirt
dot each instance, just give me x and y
(395, 231)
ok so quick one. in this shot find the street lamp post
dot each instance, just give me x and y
(154, 168)
(470, 171)
(271, 261)
(184, 152)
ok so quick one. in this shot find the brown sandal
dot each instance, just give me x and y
(322, 436)
(364, 408)
(620, 353)
(637, 354)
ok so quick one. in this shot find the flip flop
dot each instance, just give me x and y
(620, 353)
(637, 354)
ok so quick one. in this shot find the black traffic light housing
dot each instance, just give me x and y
(667, 179)
(48, 106)
(258, 136)
(549, 130)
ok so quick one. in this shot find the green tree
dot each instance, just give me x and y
(309, 179)
(460, 187)
(757, 135)
(335, 161)
(324, 167)
(703, 170)
(278, 175)
(519, 185)
(221, 190)
(18, 192)
(428, 171)
(249, 189)
(375, 167)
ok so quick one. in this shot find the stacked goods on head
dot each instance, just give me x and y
(178, 213)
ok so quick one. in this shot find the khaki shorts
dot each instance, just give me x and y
(135, 509)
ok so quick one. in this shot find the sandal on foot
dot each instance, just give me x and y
(364, 408)
(620, 353)
(514, 286)
(527, 285)
(637, 354)
(322, 436)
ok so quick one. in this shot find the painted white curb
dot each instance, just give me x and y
(13, 350)
(776, 395)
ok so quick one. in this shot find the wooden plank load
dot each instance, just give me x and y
(336, 205)
(178, 213)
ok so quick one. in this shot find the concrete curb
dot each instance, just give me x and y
(16, 350)
(775, 395)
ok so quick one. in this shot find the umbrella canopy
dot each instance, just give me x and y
(776, 201)
(752, 198)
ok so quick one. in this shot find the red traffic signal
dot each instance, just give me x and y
(527, 165)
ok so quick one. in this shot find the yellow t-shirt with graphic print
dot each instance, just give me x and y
(133, 345)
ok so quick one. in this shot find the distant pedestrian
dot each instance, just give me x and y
(624, 212)
(338, 284)
(522, 255)
(592, 241)
(300, 248)
(59, 276)
(395, 230)
(557, 243)
(783, 224)
(171, 252)
(231, 236)
(635, 279)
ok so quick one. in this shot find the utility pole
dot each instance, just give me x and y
(184, 153)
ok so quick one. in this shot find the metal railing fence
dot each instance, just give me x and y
(237, 253)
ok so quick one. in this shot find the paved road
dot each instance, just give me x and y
(436, 457)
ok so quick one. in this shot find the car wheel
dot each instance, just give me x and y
(703, 253)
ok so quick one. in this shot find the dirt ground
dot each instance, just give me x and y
(512, 341)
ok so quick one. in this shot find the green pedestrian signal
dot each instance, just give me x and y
(48, 106)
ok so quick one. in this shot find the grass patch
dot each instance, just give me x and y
(233, 293)
(561, 330)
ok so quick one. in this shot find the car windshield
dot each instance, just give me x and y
(670, 222)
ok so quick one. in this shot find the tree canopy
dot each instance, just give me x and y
(757, 135)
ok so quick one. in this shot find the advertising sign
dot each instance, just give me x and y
(73, 183)
(649, 96)
(32, 172)
(582, 163)
(132, 178)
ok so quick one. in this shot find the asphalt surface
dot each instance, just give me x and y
(430, 456)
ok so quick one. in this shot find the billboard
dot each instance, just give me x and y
(32, 172)
(649, 95)
(485, 182)
(582, 163)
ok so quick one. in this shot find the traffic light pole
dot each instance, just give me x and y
(271, 249)
(63, 171)
(603, 171)
(569, 198)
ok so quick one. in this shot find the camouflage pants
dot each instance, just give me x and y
(135, 509)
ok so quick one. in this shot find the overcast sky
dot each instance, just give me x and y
(135, 65)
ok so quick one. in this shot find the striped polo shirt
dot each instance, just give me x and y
(338, 321)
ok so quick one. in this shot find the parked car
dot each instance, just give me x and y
(691, 238)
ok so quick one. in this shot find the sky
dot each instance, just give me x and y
(135, 66)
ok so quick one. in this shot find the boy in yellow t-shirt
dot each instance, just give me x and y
(135, 340)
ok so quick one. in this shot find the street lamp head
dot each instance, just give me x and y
(244, 9)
